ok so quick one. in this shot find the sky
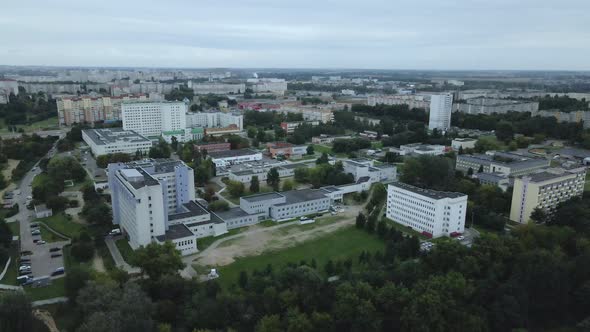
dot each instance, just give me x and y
(368, 34)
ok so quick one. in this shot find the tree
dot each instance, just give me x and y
(382, 228)
(15, 312)
(252, 132)
(273, 179)
(323, 159)
(254, 184)
(288, 185)
(360, 220)
(97, 213)
(243, 280)
(270, 323)
(218, 206)
(310, 150)
(538, 215)
(76, 278)
(156, 260)
(504, 131)
(235, 188)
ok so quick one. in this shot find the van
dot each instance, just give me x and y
(115, 231)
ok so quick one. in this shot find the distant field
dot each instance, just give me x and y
(340, 245)
(50, 123)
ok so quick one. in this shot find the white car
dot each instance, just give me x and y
(41, 242)
(461, 238)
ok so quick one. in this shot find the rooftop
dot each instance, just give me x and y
(190, 209)
(235, 212)
(114, 135)
(175, 232)
(232, 153)
(427, 192)
(262, 197)
(304, 195)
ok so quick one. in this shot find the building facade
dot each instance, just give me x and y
(507, 163)
(214, 120)
(432, 213)
(483, 105)
(152, 118)
(545, 190)
(87, 109)
(440, 112)
(413, 101)
(218, 88)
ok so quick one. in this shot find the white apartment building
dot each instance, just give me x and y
(214, 120)
(115, 140)
(154, 200)
(152, 118)
(413, 101)
(440, 112)
(7, 87)
(545, 189)
(218, 88)
(273, 85)
(432, 213)
(232, 157)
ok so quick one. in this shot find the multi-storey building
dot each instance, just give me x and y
(7, 87)
(264, 85)
(413, 101)
(213, 147)
(289, 127)
(432, 213)
(152, 118)
(115, 140)
(87, 109)
(214, 120)
(484, 105)
(507, 163)
(440, 112)
(545, 190)
(218, 88)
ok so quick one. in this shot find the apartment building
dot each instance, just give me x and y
(88, 109)
(152, 118)
(115, 140)
(440, 112)
(218, 88)
(545, 190)
(154, 200)
(413, 101)
(432, 213)
(507, 163)
(214, 120)
(7, 87)
(213, 147)
(483, 105)
(276, 86)
(570, 117)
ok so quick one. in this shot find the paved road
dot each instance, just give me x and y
(117, 257)
(41, 262)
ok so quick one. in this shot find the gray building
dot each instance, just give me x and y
(506, 163)
(484, 105)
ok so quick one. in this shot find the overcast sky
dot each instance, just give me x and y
(388, 34)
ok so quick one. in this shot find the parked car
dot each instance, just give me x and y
(22, 273)
(41, 242)
(54, 249)
(55, 255)
(58, 271)
(23, 279)
(26, 253)
(461, 238)
(36, 232)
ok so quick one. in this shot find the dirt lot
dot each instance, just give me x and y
(261, 239)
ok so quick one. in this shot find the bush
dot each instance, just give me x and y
(218, 206)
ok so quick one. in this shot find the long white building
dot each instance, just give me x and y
(432, 213)
(440, 112)
(214, 120)
(217, 88)
(115, 140)
(152, 118)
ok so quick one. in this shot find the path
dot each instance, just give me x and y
(10, 287)
(220, 196)
(118, 258)
(49, 301)
(98, 263)
(46, 318)
(261, 239)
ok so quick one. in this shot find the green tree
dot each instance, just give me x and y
(310, 150)
(156, 260)
(218, 206)
(323, 159)
(270, 323)
(76, 278)
(254, 184)
(235, 188)
(288, 185)
(504, 131)
(538, 215)
(273, 179)
(16, 313)
(360, 220)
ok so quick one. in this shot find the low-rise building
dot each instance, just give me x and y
(42, 211)
(483, 105)
(328, 139)
(422, 149)
(365, 169)
(496, 179)
(115, 140)
(289, 127)
(463, 143)
(231, 129)
(507, 163)
(231, 157)
(432, 213)
(545, 190)
(213, 147)
(285, 149)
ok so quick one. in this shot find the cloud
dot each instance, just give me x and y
(426, 34)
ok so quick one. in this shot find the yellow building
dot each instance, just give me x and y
(545, 190)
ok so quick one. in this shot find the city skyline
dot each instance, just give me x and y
(457, 35)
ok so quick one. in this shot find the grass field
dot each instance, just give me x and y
(41, 293)
(14, 228)
(125, 249)
(11, 273)
(342, 244)
(62, 224)
(50, 123)
(48, 236)
(322, 148)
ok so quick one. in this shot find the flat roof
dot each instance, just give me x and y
(190, 209)
(427, 192)
(303, 195)
(114, 135)
(175, 232)
(294, 166)
(232, 153)
(234, 212)
(262, 197)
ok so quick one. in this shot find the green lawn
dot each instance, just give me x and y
(125, 249)
(49, 236)
(14, 228)
(50, 123)
(63, 224)
(322, 148)
(41, 293)
(342, 244)
(11, 273)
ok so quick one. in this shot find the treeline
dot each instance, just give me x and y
(323, 174)
(269, 120)
(562, 103)
(27, 149)
(25, 109)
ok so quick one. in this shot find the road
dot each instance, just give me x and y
(41, 262)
